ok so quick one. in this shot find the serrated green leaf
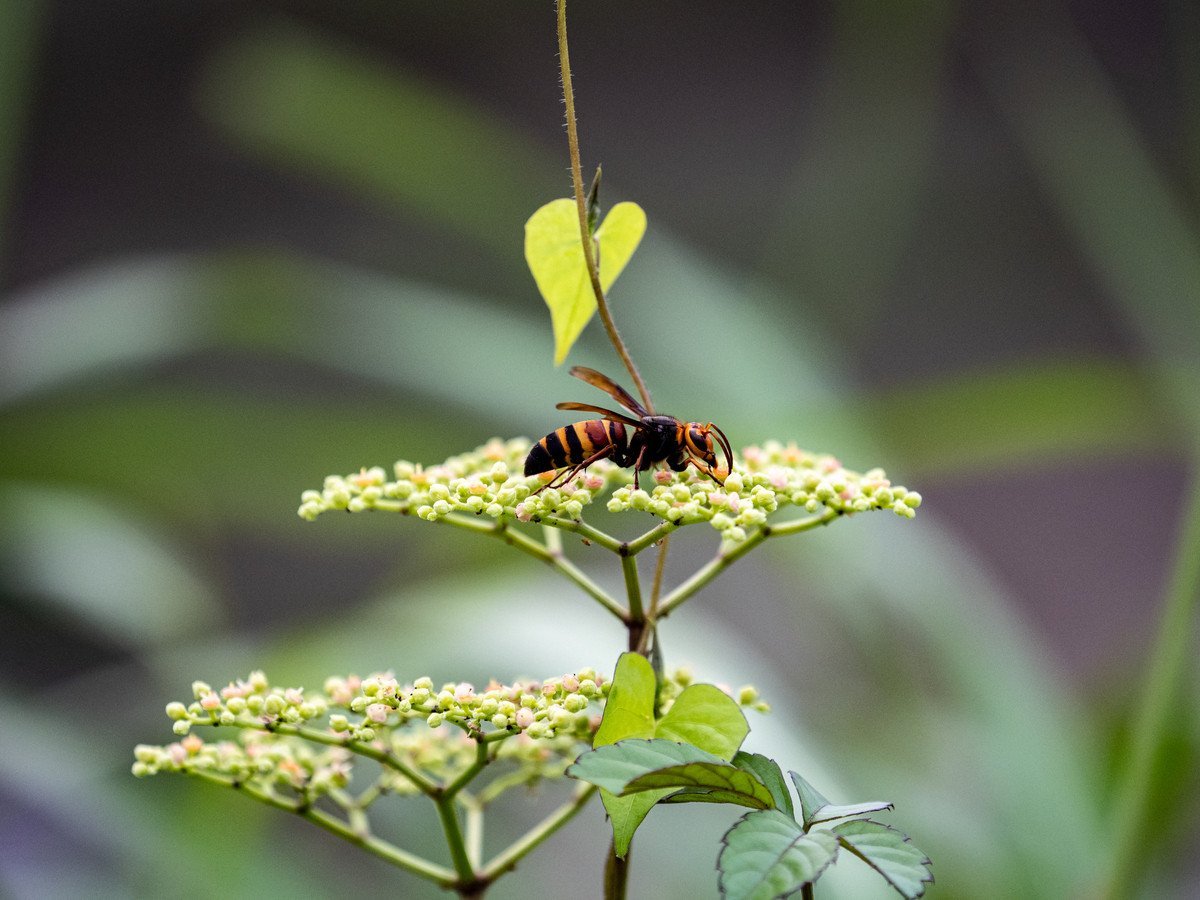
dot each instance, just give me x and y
(707, 717)
(767, 855)
(768, 772)
(614, 766)
(733, 784)
(628, 713)
(829, 812)
(810, 798)
(554, 254)
(889, 853)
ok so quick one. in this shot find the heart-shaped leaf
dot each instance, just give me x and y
(888, 852)
(767, 855)
(554, 253)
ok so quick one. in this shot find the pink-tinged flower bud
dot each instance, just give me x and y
(570, 683)
(294, 696)
(593, 482)
(524, 717)
(210, 702)
(192, 744)
(523, 514)
(177, 753)
(377, 713)
(464, 692)
(734, 503)
(662, 477)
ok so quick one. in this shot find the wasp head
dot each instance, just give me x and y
(702, 442)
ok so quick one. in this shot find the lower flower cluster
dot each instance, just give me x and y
(306, 741)
(486, 482)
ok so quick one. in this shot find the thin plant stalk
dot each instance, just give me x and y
(585, 234)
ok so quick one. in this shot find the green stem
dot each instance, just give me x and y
(731, 553)
(509, 857)
(468, 774)
(1164, 682)
(474, 813)
(636, 623)
(553, 556)
(585, 531)
(559, 561)
(448, 815)
(585, 234)
(649, 539)
(380, 848)
(616, 873)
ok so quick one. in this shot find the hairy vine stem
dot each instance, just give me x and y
(585, 234)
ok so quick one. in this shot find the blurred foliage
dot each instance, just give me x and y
(161, 411)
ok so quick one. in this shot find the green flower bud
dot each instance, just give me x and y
(181, 727)
(500, 721)
(435, 719)
(177, 710)
(236, 705)
(747, 695)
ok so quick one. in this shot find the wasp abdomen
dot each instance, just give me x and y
(573, 444)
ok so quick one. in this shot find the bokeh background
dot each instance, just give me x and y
(248, 244)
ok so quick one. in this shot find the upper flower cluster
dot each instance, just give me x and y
(487, 482)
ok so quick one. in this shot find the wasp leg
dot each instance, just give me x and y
(704, 469)
(637, 469)
(559, 480)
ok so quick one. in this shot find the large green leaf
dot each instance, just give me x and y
(629, 707)
(614, 766)
(554, 253)
(702, 715)
(707, 717)
(707, 782)
(768, 772)
(889, 853)
(628, 713)
(767, 855)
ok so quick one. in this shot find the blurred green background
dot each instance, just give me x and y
(247, 244)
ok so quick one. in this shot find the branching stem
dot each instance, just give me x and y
(374, 845)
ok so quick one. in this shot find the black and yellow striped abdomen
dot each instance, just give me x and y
(573, 444)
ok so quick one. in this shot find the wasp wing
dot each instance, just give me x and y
(607, 413)
(610, 387)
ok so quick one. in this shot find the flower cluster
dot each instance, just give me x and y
(306, 741)
(486, 482)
